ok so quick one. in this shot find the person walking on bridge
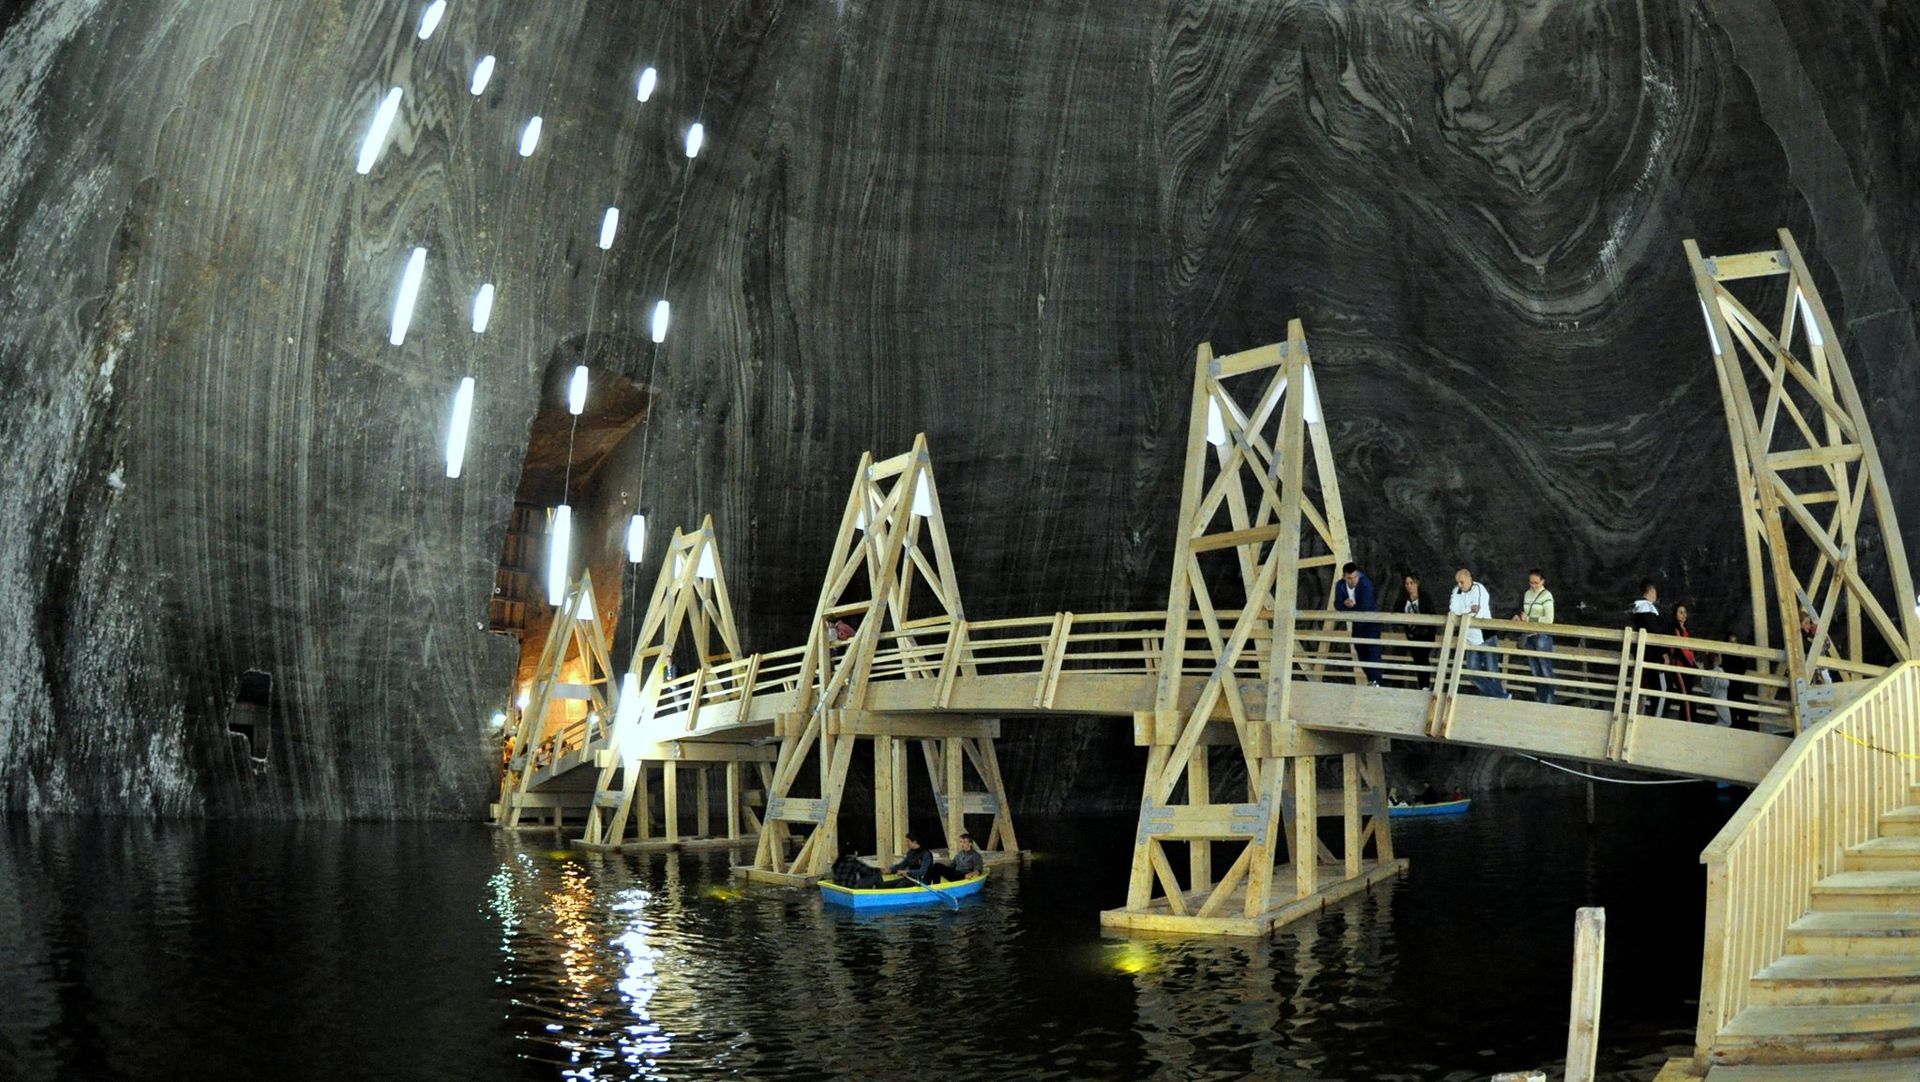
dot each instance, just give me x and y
(1536, 607)
(1354, 594)
(1642, 617)
(1471, 599)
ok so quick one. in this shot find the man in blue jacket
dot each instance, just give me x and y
(1354, 594)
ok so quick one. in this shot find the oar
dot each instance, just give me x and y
(949, 898)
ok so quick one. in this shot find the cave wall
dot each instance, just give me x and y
(1004, 224)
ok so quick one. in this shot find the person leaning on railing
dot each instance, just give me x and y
(1536, 607)
(1416, 604)
(1471, 599)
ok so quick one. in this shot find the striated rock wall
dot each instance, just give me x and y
(1006, 224)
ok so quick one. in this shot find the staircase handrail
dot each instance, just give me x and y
(1826, 793)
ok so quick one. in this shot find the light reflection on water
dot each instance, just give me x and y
(447, 951)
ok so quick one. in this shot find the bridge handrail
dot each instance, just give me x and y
(1825, 794)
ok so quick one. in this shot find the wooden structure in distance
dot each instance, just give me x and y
(1254, 423)
(542, 741)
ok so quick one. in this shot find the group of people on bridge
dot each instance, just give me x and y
(1702, 672)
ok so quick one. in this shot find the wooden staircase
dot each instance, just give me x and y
(1847, 987)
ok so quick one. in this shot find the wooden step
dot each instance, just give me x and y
(1888, 854)
(1805, 980)
(1898, 1070)
(1855, 891)
(1901, 823)
(1771, 1034)
(1854, 934)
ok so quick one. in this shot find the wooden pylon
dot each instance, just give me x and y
(576, 637)
(1247, 464)
(1808, 471)
(688, 608)
(890, 553)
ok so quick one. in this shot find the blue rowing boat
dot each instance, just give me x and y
(1408, 811)
(901, 896)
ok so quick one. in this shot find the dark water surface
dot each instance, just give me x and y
(133, 949)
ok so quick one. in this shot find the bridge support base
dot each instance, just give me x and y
(1282, 906)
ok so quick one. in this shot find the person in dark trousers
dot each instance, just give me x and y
(967, 861)
(1416, 604)
(917, 863)
(851, 871)
(1644, 616)
(1354, 594)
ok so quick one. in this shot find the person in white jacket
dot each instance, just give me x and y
(1471, 599)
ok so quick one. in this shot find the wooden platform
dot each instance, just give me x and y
(1283, 909)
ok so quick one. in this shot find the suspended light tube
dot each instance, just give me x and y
(1711, 332)
(520, 703)
(648, 79)
(626, 713)
(609, 225)
(457, 430)
(577, 391)
(696, 138)
(377, 132)
(1814, 338)
(662, 312)
(482, 73)
(430, 19)
(1216, 424)
(530, 138)
(409, 293)
(1310, 407)
(482, 308)
(559, 539)
(636, 539)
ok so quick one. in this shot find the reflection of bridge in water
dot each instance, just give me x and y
(1239, 702)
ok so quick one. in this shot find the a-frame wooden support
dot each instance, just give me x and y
(1254, 424)
(576, 641)
(890, 560)
(1808, 470)
(688, 612)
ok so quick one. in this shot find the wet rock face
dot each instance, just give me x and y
(1006, 225)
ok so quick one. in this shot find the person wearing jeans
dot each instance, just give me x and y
(1536, 607)
(1471, 599)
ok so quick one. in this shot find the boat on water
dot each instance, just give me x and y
(1447, 807)
(899, 893)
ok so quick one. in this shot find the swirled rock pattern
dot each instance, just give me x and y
(1005, 224)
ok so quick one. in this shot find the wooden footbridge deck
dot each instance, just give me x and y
(1258, 716)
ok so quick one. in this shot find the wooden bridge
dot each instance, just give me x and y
(1249, 693)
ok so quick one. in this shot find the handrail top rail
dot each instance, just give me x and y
(1784, 768)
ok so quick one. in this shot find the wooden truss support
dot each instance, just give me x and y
(891, 552)
(688, 611)
(575, 667)
(1808, 471)
(1255, 422)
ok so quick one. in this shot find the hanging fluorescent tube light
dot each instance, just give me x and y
(636, 538)
(430, 19)
(696, 138)
(1711, 332)
(377, 132)
(626, 714)
(520, 703)
(608, 226)
(409, 293)
(662, 312)
(1216, 424)
(482, 308)
(1310, 406)
(457, 431)
(648, 79)
(1814, 337)
(530, 138)
(559, 539)
(482, 73)
(706, 569)
(577, 391)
